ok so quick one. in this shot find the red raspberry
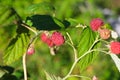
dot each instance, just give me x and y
(30, 51)
(57, 38)
(96, 23)
(44, 37)
(49, 42)
(115, 47)
(104, 33)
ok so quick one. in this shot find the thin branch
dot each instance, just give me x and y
(24, 56)
(72, 45)
(75, 64)
(96, 40)
(26, 26)
(24, 66)
(69, 37)
(78, 59)
(80, 76)
(104, 41)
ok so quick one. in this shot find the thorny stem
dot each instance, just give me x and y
(72, 45)
(78, 59)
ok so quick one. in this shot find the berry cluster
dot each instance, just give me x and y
(56, 39)
(98, 25)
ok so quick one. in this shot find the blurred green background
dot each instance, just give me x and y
(81, 10)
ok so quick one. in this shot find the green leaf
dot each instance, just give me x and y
(47, 22)
(73, 22)
(116, 60)
(58, 22)
(87, 38)
(2, 72)
(5, 70)
(16, 48)
(41, 8)
(108, 26)
(8, 69)
(52, 77)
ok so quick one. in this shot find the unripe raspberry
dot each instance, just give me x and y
(96, 23)
(44, 37)
(104, 33)
(57, 38)
(30, 50)
(115, 47)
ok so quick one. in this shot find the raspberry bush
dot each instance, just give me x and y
(47, 29)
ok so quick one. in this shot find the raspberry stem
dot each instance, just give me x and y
(80, 76)
(24, 56)
(24, 66)
(78, 59)
(72, 45)
(26, 26)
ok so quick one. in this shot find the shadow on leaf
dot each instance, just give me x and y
(47, 22)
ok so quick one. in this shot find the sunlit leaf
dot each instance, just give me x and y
(17, 47)
(116, 60)
(73, 22)
(41, 8)
(87, 37)
(107, 26)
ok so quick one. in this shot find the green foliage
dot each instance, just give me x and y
(87, 38)
(47, 16)
(116, 61)
(52, 77)
(41, 8)
(6, 73)
(17, 47)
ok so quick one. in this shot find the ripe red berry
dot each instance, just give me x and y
(115, 47)
(49, 42)
(30, 51)
(44, 37)
(57, 38)
(104, 33)
(96, 23)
